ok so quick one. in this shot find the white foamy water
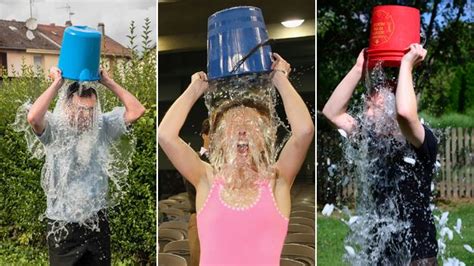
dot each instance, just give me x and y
(87, 153)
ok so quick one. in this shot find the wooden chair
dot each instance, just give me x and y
(302, 220)
(174, 214)
(162, 206)
(166, 235)
(303, 202)
(299, 228)
(169, 202)
(168, 259)
(176, 225)
(180, 248)
(183, 194)
(180, 197)
(306, 199)
(303, 214)
(290, 262)
(301, 238)
(299, 253)
(303, 207)
(184, 206)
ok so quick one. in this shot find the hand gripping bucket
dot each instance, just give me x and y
(237, 43)
(392, 29)
(80, 54)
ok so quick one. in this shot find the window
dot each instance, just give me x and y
(3, 60)
(38, 63)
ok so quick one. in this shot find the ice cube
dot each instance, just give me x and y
(343, 133)
(350, 250)
(409, 160)
(328, 209)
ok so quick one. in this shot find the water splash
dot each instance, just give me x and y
(244, 134)
(87, 153)
(379, 231)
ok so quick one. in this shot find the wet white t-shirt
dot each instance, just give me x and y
(75, 173)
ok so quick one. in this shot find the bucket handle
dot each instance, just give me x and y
(253, 50)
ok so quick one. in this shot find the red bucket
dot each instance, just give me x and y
(392, 29)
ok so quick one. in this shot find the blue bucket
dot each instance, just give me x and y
(80, 54)
(237, 43)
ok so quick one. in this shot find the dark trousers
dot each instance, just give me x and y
(81, 245)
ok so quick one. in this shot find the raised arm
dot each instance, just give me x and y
(302, 129)
(39, 108)
(405, 97)
(133, 108)
(335, 109)
(183, 157)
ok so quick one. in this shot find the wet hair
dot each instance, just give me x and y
(74, 87)
(205, 127)
(261, 108)
(391, 85)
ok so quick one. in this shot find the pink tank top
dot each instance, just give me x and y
(251, 236)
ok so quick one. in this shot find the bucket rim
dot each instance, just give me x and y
(75, 78)
(84, 29)
(386, 50)
(232, 8)
(397, 6)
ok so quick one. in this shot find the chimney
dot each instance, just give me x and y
(52, 24)
(68, 23)
(101, 28)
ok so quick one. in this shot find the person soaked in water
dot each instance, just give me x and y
(399, 190)
(76, 137)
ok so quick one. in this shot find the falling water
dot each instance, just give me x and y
(86, 159)
(382, 163)
(244, 134)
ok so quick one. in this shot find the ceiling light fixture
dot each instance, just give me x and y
(292, 23)
(167, 1)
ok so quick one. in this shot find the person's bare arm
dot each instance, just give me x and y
(302, 129)
(407, 112)
(335, 109)
(133, 108)
(37, 112)
(183, 157)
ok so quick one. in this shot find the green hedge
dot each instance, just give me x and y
(22, 199)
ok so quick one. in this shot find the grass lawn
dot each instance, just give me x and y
(331, 234)
(465, 211)
(450, 120)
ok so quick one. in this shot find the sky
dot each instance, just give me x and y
(115, 14)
